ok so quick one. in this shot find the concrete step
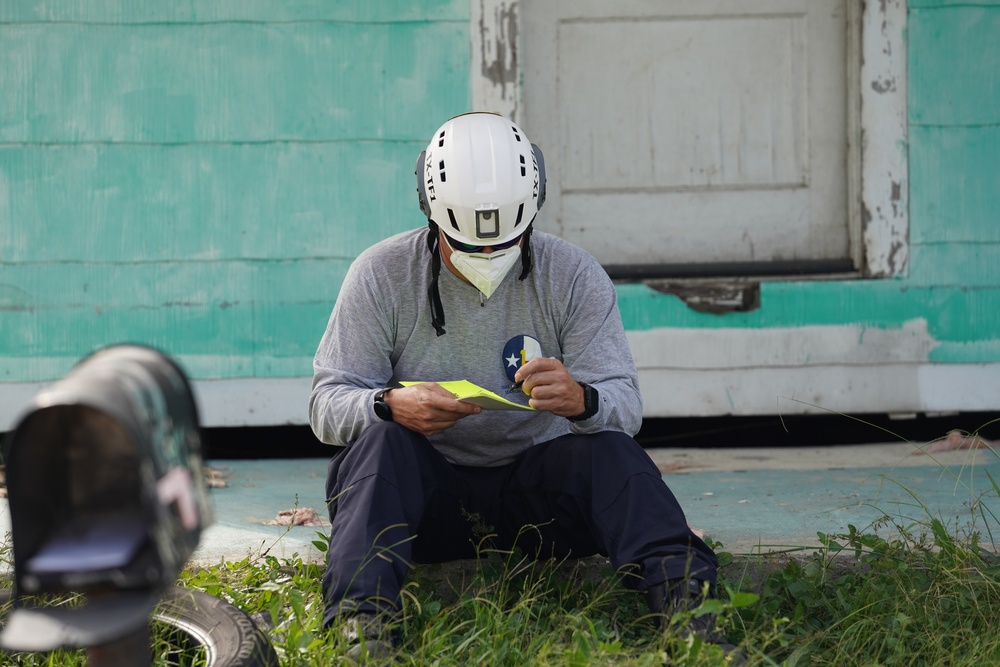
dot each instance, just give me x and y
(751, 500)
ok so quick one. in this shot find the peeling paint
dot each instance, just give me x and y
(882, 87)
(866, 216)
(498, 46)
(782, 347)
(896, 196)
(884, 214)
(897, 249)
(713, 297)
(495, 56)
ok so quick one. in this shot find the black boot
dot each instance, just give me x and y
(685, 595)
(371, 636)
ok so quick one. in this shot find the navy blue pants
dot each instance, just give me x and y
(394, 500)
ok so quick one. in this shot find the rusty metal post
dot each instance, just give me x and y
(133, 650)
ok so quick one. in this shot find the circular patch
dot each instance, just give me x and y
(518, 351)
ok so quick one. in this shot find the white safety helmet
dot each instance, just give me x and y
(480, 180)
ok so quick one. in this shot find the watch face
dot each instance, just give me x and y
(382, 409)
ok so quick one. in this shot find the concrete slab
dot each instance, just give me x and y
(751, 500)
(888, 456)
(764, 500)
(256, 492)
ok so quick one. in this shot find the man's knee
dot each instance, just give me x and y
(386, 436)
(380, 445)
(605, 452)
(386, 450)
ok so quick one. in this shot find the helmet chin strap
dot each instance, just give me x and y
(434, 294)
(437, 310)
(526, 251)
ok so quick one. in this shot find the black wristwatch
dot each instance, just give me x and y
(591, 403)
(382, 409)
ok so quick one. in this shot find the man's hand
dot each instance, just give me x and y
(427, 408)
(551, 387)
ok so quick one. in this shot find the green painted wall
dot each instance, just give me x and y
(953, 280)
(198, 176)
(954, 115)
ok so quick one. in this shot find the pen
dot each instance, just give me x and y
(517, 385)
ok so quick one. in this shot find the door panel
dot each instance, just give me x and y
(680, 132)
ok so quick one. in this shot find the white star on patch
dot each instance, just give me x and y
(512, 360)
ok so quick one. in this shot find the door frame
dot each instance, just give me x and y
(877, 179)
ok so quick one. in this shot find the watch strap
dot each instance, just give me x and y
(382, 409)
(591, 403)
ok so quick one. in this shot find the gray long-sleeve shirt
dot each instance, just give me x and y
(380, 333)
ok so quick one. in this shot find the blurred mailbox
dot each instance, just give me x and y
(105, 483)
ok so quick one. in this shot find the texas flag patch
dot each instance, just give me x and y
(518, 351)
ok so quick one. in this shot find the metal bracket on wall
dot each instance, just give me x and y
(713, 297)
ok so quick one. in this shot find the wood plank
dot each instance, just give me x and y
(954, 313)
(955, 174)
(223, 315)
(292, 304)
(115, 203)
(969, 264)
(157, 11)
(163, 83)
(954, 73)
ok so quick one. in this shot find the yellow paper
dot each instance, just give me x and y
(473, 393)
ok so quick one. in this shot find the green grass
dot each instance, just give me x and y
(504, 610)
(916, 596)
(892, 593)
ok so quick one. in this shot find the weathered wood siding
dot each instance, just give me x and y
(198, 175)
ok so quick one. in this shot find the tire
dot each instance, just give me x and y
(228, 636)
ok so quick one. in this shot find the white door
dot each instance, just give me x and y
(684, 131)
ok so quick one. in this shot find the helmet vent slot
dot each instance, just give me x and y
(442, 174)
(516, 135)
(520, 213)
(524, 167)
(441, 140)
(454, 223)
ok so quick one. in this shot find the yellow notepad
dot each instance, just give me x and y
(473, 393)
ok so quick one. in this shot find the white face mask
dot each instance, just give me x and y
(486, 271)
